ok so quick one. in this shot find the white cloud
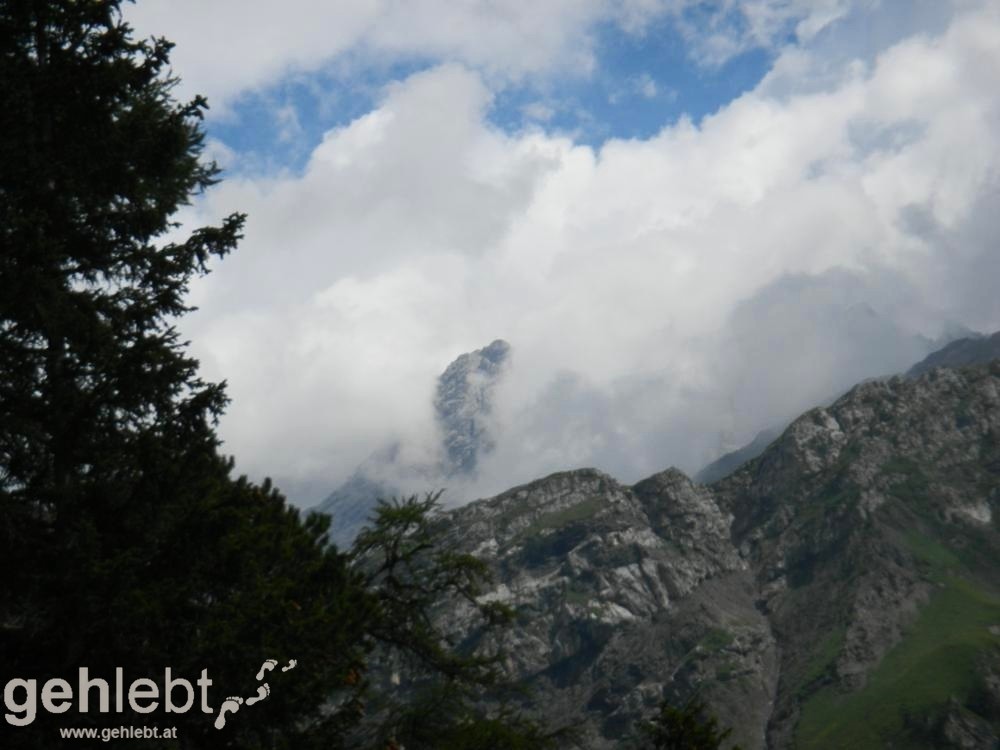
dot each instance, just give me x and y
(665, 297)
(289, 127)
(226, 47)
(538, 111)
(647, 87)
(718, 32)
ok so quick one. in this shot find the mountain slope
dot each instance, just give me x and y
(863, 523)
(728, 463)
(841, 590)
(971, 350)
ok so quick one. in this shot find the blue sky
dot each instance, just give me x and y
(691, 220)
(641, 82)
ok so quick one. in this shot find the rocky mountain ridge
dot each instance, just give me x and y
(971, 349)
(840, 590)
(968, 350)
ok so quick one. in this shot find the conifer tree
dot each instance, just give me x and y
(124, 540)
(689, 727)
(96, 392)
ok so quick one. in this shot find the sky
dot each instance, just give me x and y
(691, 220)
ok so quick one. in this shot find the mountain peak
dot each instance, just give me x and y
(464, 404)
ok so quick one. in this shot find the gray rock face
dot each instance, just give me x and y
(463, 404)
(622, 594)
(961, 730)
(857, 517)
(859, 554)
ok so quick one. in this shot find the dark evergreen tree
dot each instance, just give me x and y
(96, 394)
(690, 727)
(124, 541)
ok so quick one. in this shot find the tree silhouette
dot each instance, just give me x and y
(124, 540)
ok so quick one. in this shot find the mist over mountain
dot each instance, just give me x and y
(963, 350)
(800, 341)
(752, 249)
(496, 419)
(463, 406)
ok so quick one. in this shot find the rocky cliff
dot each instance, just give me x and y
(463, 405)
(842, 590)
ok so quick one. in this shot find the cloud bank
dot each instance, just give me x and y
(665, 298)
(503, 39)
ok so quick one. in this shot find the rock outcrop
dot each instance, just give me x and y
(463, 405)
